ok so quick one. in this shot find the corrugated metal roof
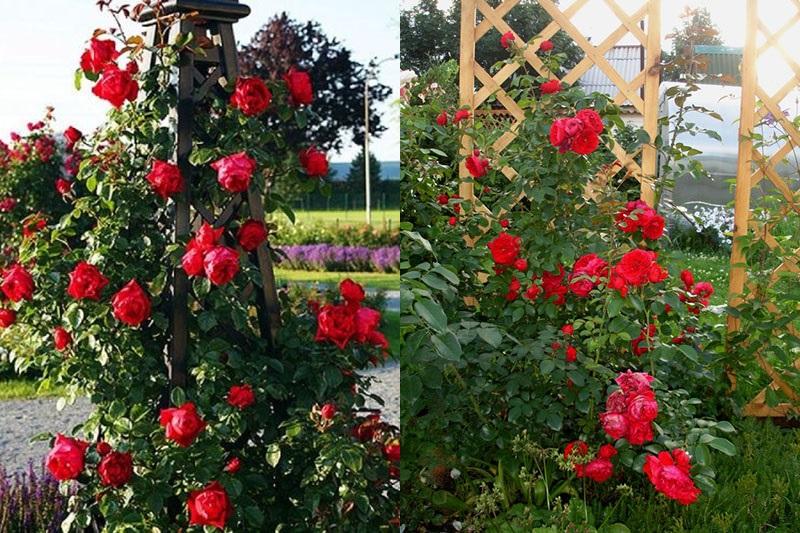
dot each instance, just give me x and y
(720, 63)
(625, 59)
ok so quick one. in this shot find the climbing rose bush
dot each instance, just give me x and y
(243, 446)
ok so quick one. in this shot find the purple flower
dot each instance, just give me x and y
(31, 502)
(334, 258)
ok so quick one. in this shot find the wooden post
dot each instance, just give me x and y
(651, 101)
(466, 88)
(741, 213)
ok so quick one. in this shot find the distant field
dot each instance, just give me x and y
(379, 218)
(371, 280)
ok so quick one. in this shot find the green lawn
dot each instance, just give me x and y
(709, 267)
(371, 280)
(380, 218)
(20, 388)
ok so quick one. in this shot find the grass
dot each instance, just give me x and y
(22, 389)
(709, 267)
(379, 217)
(372, 280)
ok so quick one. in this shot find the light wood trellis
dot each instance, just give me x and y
(645, 101)
(753, 167)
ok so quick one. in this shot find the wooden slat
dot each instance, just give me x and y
(466, 87)
(651, 102)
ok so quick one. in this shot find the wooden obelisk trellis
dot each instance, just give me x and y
(753, 167)
(645, 101)
(211, 24)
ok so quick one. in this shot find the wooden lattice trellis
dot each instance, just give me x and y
(645, 101)
(753, 167)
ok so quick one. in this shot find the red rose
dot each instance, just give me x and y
(591, 120)
(328, 411)
(337, 324)
(86, 282)
(131, 304)
(653, 226)
(209, 506)
(63, 186)
(688, 279)
(504, 223)
(477, 165)
(103, 448)
(7, 317)
(639, 433)
(601, 469)
(442, 118)
(17, 283)
(505, 248)
(643, 407)
(452, 221)
(241, 396)
(367, 321)
(251, 96)
(221, 264)
(365, 430)
(7, 204)
(182, 424)
(391, 450)
(442, 199)
(234, 171)
(546, 45)
(635, 266)
(67, 458)
(352, 292)
(166, 178)
(645, 336)
(506, 39)
(72, 136)
(461, 114)
(207, 237)
(571, 354)
(251, 234)
(552, 283)
(559, 136)
(586, 274)
(116, 86)
(669, 474)
(634, 381)
(61, 338)
(99, 55)
(550, 87)
(192, 260)
(617, 402)
(115, 469)
(299, 85)
(614, 424)
(72, 163)
(585, 142)
(314, 162)
(233, 465)
(513, 290)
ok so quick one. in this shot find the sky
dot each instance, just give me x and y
(43, 40)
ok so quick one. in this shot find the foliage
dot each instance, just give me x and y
(696, 28)
(293, 470)
(484, 353)
(431, 35)
(30, 502)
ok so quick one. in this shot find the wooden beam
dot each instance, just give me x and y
(652, 82)
(466, 88)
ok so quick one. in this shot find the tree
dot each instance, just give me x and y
(338, 81)
(355, 178)
(697, 28)
(431, 36)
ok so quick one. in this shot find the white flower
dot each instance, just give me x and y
(455, 473)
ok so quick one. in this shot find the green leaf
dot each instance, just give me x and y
(547, 366)
(723, 445)
(447, 345)
(435, 282)
(690, 353)
(554, 421)
(725, 426)
(432, 313)
(177, 396)
(78, 78)
(491, 335)
(206, 320)
(274, 454)
(254, 516)
(201, 156)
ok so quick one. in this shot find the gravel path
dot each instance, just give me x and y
(22, 419)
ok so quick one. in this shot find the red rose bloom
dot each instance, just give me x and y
(601, 469)
(209, 506)
(553, 285)
(571, 354)
(182, 424)
(442, 199)
(207, 236)
(328, 411)
(17, 283)
(221, 264)
(586, 274)
(7, 317)
(614, 424)
(115, 469)
(251, 234)
(567, 329)
(688, 279)
(352, 292)
(669, 474)
(585, 142)
(241, 396)
(550, 87)
(477, 165)
(233, 465)
(67, 458)
(391, 450)
(652, 226)
(505, 248)
(131, 304)
(442, 118)
(591, 120)
(86, 282)
(72, 136)
(506, 39)
(116, 86)
(314, 162)
(635, 266)
(299, 85)
(99, 55)
(367, 322)
(165, 178)
(234, 171)
(251, 96)
(192, 260)
(7, 204)
(546, 45)
(461, 114)
(337, 324)
(61, 338)
(521, 264)
(452, 221)
(643, 407)
(64, 187)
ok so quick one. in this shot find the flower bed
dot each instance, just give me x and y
(340, 258)
(340, 234)
(31, 501)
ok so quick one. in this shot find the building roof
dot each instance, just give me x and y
(625, 59)
(721, 63)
